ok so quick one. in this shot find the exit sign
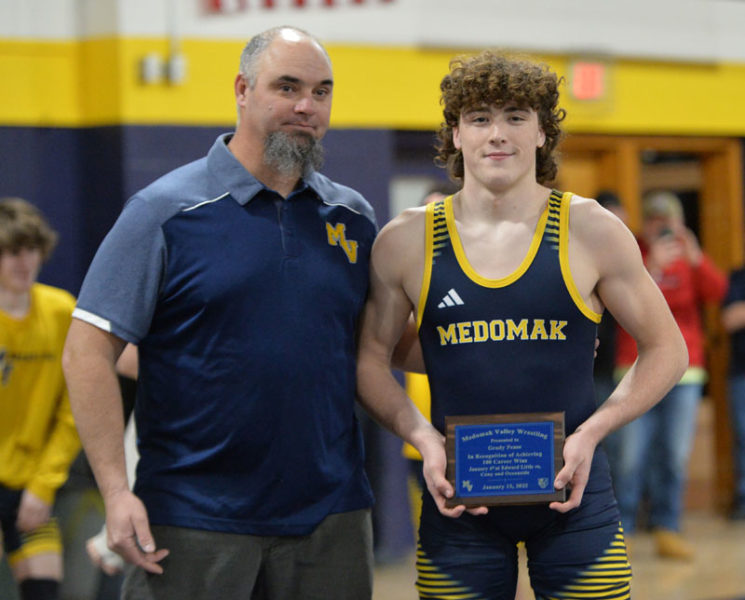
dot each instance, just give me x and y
(588, 80)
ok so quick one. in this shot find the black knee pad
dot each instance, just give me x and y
(39, 589)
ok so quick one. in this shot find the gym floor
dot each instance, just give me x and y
(717, 573)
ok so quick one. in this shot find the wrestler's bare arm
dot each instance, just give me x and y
(395, 280)
(385, 319)
(604, 254)
(628, 292)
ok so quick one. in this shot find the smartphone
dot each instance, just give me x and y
(665, 232)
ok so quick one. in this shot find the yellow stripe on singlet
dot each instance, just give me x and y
(433, 583)
(435, 237)
(566, 272)
(465, 265)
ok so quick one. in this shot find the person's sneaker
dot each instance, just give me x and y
(671, 544)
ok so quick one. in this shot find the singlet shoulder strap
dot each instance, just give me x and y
(436, 238)
(553, 220)
(470, 272)
(565, 202)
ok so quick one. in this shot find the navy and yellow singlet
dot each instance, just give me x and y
(522, 343)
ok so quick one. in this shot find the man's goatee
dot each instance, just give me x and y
(292, 153)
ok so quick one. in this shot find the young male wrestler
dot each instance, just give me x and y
(532, 269)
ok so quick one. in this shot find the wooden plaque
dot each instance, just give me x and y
(504, 459)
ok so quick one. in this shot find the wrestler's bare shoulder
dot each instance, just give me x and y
(598, 231)
(592, 222)
(403, 233)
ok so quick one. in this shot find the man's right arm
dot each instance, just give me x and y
(89, 360)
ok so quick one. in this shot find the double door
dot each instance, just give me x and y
(708, 175)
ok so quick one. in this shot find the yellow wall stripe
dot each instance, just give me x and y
(39, 83)
(96, 82)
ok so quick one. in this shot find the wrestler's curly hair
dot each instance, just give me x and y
(488, 79)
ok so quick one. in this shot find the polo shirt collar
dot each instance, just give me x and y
(241, 184)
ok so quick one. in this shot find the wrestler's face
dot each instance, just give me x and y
(19, 269)
(291, 93)
(499, 144)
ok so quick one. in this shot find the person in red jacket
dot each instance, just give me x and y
(654, 449)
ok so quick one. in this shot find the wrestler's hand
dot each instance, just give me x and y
(435, 462)
(578, 452)
(33, 512)
(128, 532)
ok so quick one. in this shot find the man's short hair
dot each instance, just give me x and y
(491, 79)
(23, 226)
(259, 43)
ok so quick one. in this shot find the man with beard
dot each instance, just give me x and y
(240, 277)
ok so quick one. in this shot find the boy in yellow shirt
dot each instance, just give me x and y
(38, 439)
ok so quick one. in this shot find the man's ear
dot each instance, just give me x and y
(240, 87)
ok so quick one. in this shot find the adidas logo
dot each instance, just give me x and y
(451, 299)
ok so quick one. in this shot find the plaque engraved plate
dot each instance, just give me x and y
(504, 459)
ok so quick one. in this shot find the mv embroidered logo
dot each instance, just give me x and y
(451, 299)
(338, 237)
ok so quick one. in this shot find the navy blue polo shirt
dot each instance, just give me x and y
(244, 306)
